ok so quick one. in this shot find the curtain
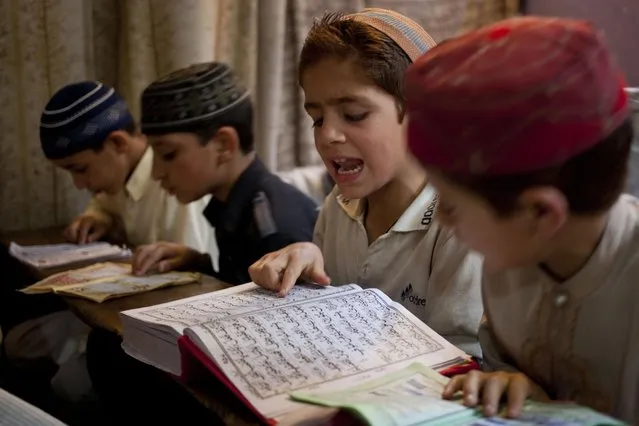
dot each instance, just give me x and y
(45, 44)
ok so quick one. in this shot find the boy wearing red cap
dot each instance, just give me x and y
(523, 127)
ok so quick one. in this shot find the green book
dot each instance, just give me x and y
(412, 397)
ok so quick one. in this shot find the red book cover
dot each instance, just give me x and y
(193, 359)
(195, 363)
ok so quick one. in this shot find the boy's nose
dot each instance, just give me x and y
(331, 134)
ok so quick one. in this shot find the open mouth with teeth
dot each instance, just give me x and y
(348, 166)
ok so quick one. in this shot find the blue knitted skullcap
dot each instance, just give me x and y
(81, 116)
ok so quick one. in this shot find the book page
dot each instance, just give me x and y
(125, 285)
(77, 276)
(406, 397)
(334, 342)
(412, 396)
(54, 255)
(17, 412)
(194, 310)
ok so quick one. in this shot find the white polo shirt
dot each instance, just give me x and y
(149, 214)
(416, 263)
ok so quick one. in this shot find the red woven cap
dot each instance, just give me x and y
(514, 97)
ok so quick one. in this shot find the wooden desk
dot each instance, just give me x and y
(106, 315)
(210, 393)
(38, 236)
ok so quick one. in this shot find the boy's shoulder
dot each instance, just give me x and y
(277, 190)
(287, 204)
(623, 224)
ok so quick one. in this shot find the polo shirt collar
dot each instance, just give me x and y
(417, 217)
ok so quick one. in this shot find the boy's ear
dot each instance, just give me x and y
(228, 143)
(547, 207)
(119, 139)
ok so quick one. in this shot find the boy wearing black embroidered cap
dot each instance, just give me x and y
(199, 121)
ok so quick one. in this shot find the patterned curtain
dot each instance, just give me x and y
(45, 44)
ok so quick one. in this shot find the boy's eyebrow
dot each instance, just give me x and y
(334, 101)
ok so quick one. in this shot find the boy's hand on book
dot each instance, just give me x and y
(280, 270)
(487, 389)
(163, 257)
(86, 229)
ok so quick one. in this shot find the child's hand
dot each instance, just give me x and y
(163, 257)
(280, 270)
(86, 229)
(491, 387)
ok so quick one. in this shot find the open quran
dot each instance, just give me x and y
(104, 281)
(264, 347)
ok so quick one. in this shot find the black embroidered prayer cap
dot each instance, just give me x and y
(189, 97)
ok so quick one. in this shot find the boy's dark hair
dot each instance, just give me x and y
(131, 128)
(591, 181)
(379, 57)
(239, 118)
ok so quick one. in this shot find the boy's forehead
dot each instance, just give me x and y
(335, 73)
(336, 82)
(169, 139)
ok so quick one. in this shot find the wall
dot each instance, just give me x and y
(618, 18)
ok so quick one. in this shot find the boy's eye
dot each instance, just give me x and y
(168, 156)
(318, 122)
(79, 170)
(356, 117)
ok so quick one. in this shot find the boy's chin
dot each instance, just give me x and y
(353, 192)
(184, 198)
(493, 266)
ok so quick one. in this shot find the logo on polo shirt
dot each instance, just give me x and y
(427, 218)
(408, 294)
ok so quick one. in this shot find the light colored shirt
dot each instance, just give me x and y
(149, 214)
(416, 263)
(578, 339)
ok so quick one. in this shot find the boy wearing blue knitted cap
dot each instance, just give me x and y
(87, 129)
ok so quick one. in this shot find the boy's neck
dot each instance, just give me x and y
(235, 170)
(386, 205)
(137, 149)
(576, 243)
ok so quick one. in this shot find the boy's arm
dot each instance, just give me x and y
(187, 225)
(99, 208)
(100, 219)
